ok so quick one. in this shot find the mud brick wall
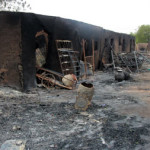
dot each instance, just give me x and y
(122, 43)
(148, 47)
(116, 45)
(18, 44)
(141, 46)
(10, 52)
(106, 49)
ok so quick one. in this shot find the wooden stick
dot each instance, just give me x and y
(85, 63)
(93, 56)
(136, 62)
(113, 59)
(50, 80)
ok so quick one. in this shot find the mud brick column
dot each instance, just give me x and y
(10, 51)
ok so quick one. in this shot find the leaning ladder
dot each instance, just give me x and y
(68, 58)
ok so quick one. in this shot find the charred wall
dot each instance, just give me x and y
(21, 29)
(28, 50)
(89, 33)
(30, 25)
(65, 29)
(56, 28)
(10, 57)
(62, 30)
(121, 43)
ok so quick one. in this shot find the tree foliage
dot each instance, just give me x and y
(14, 5)
(143, 34)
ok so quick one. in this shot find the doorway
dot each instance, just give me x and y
(41, 48)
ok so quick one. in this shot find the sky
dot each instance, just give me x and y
(123, 16)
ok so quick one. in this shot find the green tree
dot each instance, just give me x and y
(14, 5)
(143, 34)
(133, 34)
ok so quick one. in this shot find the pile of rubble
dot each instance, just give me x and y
(132, 61)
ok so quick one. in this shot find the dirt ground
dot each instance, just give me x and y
(119, 118)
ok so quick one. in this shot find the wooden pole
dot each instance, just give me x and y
(136, 62)
(112, 55)
(85, 64)
(93, 57)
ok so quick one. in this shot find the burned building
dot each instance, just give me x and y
(21, 34)
(141, 46)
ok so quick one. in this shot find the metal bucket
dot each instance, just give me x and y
(85, 93)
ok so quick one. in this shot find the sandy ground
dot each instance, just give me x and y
(119, 118)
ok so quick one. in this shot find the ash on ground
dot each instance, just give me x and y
(118, 119)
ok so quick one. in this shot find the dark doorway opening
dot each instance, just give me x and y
(112, 44)
(41, 51)
(119, 41)
(95, 45)
(130, 45)
(106, 54)
(124, 45)
(41, 48)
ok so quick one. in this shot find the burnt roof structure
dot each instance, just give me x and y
(18, 43)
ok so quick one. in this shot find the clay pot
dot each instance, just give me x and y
(69, 80)
(126, 75)
(119, 75)
(85, 93)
